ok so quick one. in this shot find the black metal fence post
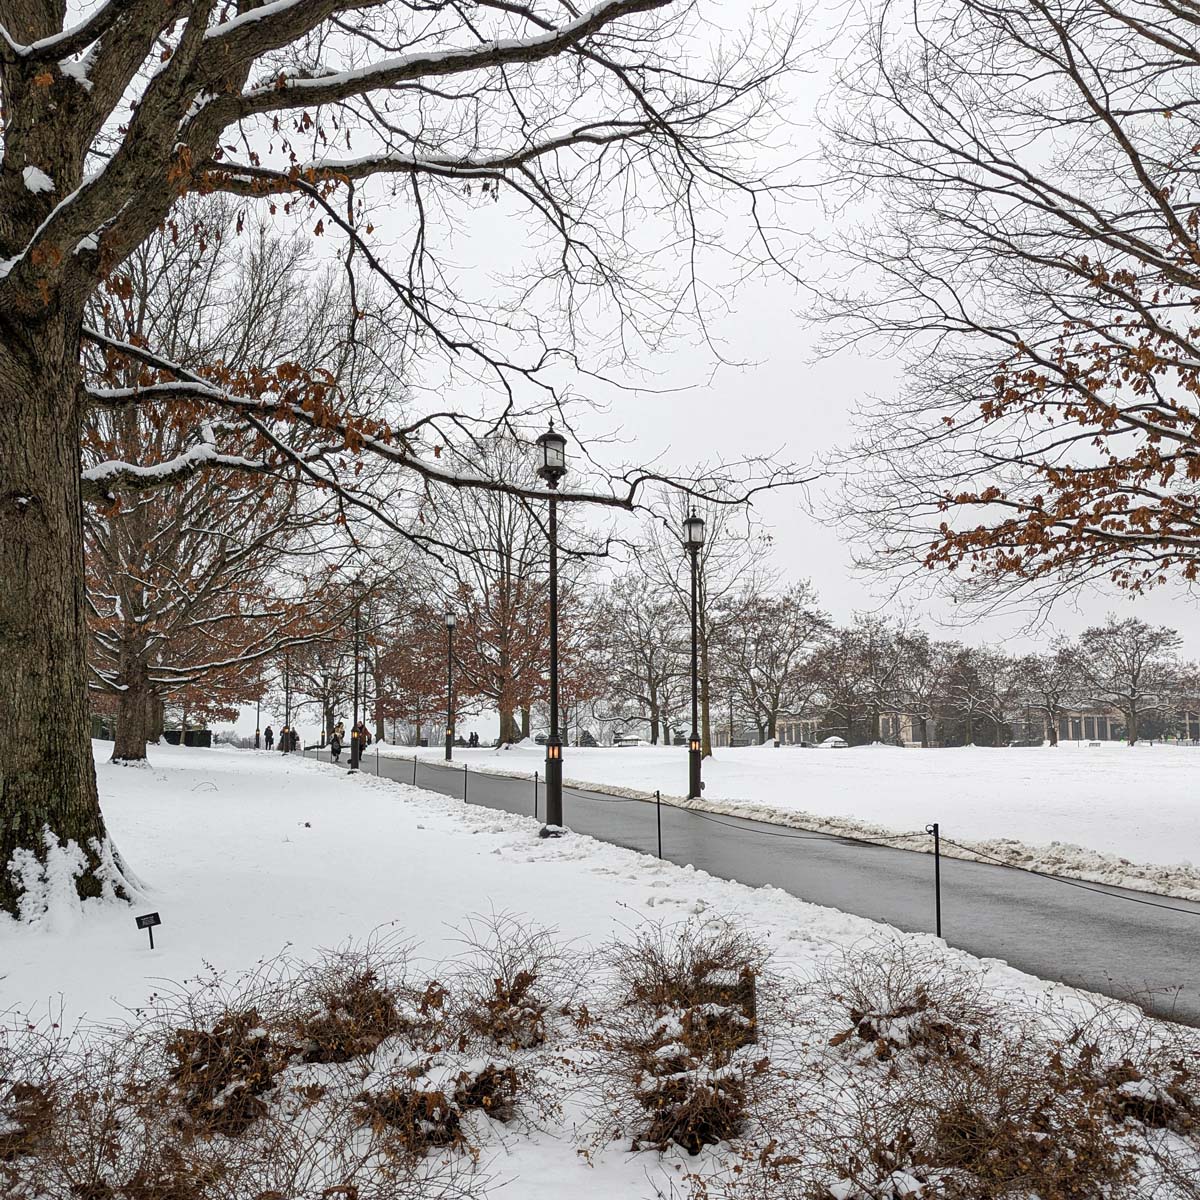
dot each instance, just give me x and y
(414, 770)
(658, 818)
(535, 798)
(937, 873)
(464, 783)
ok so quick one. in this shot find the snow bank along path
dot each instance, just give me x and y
(1115, 814)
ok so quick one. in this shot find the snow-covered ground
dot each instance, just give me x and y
(247, 854)
(1116, 814)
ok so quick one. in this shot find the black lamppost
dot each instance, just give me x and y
(693, 539)
(287, 700)
(258, 723)
(450, 621)
(355, 747)
(554, 466)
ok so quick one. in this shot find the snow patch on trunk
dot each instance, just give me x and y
(36, 180)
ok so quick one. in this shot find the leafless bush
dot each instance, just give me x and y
(887, 996)
(1143, 1070)
(678, 1060)
(355, 998)
(30, 1068)
(510, 980)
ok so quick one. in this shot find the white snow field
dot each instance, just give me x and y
(247, 854)
(1116, 814)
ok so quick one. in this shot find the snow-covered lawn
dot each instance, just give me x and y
(246, 854)
(1113, 813)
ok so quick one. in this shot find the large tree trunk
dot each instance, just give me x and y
(47, 777)
(508, 726)
(1052, 726)
(1131, 725)
(133, 714)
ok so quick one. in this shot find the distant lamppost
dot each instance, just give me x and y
(355, 746)
(450, 622)
(287, 700)
(693, 539)
(554, 466)
(258, 723)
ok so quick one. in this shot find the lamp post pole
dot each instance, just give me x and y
(554, 466)
(355, 748)
(287, 699)
(449, 686)
(693, 535)
(258, 724)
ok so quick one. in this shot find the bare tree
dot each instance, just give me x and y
(611, 137)
(1132, 666)
(644, 650)
(1027, 244)
(1051, 683)
(768, 642)
(190, 581)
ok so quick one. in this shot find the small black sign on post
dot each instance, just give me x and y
(148, 923)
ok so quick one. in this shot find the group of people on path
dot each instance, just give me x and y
(289, 739)
(337, 739)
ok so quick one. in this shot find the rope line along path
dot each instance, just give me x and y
(1137, 948)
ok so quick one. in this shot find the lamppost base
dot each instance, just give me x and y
(551, 831)
(695, 786)
(554, 810)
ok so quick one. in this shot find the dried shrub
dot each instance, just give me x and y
(411, 1121)
(888, 996)
(685, 1068)
(221, 1073)
(26, 1112)
(1143, 1070)
(492, 1090)
(357, 1012)
(1006, 1124)
(510, 979)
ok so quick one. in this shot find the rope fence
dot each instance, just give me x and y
(755, 828)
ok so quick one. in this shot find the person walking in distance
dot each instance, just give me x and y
(269, 738)
(335, 746)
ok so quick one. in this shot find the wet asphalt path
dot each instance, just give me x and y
(1104, 939)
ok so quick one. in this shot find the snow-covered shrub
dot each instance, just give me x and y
(510, 981)
(351, 1000)
(1145, 1071)
(886, 996)
(679, 1059)
(221, 1072)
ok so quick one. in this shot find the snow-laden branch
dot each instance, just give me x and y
(394, 446)
(104, 480)
(407, 68)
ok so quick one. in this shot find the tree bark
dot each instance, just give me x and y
(156, 717)
(508, 726)
(47, 776)
(133, 715)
